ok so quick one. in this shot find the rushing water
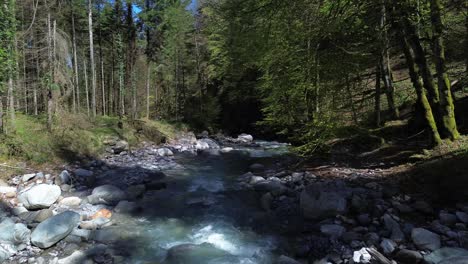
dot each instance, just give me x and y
(203, 204)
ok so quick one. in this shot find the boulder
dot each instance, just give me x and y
(106, 194)
(77, 257)
(193, 253)
(388, 246)
(63, 178)
(40, 196)
(95, 223)
(82, 173)
(406, 256)
(54, 229)
(445, 254)
(393, 226)
(462, 216)
(120, 146)
(7, 189)
(126, 207)
(447, 219)
(318, 202)
(12, 233)
(255, 179)
(206, 143)
(102, 213)
(274, 187)
(425, 239)
(70, 201)
(27, 177)
(246, 138)
(334, 231)
(163, 152)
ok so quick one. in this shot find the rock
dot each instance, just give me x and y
(120, 146)
(455, 260)
(106, 194)
(102, 213)
(361, 256)
(317, 202)
(42, 215)
(393, 226)
(126, 207)
(388, 246)
(286, 260)
(11, 233)
(364, 219)
(4, 254)
(70, 201)
(163, 152)
(423, 207)
(256, 179)
(63, 178)
(27, 177)
(77, 257)
(274, 187)
(136, 191)
(40, 196)
(226, 150)
(206, 143)
(406, 256)
(54, 229)
(257, 167)
(95, 223)
(18, 210)
(193, 253)
(425, 239)
(82, 233)
(82, 173)
(447, 219)
(462, 216)
(334, 231)
(246, 138)
(445, 254)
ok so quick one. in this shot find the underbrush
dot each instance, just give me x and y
(73, 137)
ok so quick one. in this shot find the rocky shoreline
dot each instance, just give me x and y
(64, 218)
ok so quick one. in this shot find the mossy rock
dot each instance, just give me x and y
(149, 132)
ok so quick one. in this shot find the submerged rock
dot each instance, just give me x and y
(40, 196)
(54, 229)
(446, 254)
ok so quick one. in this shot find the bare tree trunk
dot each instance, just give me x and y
(377, 96)
(51, 73)
(148, 80)
(103, 89)
(91, 57)
(2, 124)
(76, 89)
(11, 100)
(86, 86)
(385, 64)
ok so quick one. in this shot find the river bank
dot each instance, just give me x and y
(221, 200)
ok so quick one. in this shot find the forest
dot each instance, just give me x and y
(234, 131)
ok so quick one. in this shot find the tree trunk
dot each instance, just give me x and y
(11, 100)
(385, 69)
(86, 86)
(377, 96)
(76, 90)
(51, 73)
(148, 80)
(91, 58)
(449, 124)
(422, 100)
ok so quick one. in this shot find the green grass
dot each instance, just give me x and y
(72, 137)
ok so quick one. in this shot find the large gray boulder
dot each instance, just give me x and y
(40, 196)
(425, 239)
(317, 201)
(54, 229)
(107, 194)
(12, 233)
